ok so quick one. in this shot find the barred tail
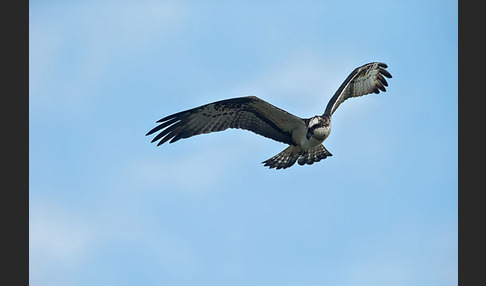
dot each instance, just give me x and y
(283, 160)
(289, 156)
(315, 154)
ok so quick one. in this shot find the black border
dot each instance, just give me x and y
(471, 115)
(15, 141)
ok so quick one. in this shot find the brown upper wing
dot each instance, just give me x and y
(249, 113)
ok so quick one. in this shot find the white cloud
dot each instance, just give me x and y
(63, 244)
(58, 241)
(56, 235)
(73, 46)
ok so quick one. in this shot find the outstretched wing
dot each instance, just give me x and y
(363, 80)
(249, 113)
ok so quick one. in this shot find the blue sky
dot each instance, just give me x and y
(107, 207)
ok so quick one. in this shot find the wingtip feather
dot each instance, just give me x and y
(383, 65)
(385, 73)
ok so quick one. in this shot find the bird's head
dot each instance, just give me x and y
(319, 127)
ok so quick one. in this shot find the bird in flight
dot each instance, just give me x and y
(303, 135)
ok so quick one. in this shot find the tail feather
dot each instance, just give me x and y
(282, 160)
(314, 155)
(291, 154)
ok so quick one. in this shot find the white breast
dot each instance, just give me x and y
(322, 132)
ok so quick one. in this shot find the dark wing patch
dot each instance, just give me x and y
(366, 79)
(248, 113)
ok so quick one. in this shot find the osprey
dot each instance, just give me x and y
(304, 135)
